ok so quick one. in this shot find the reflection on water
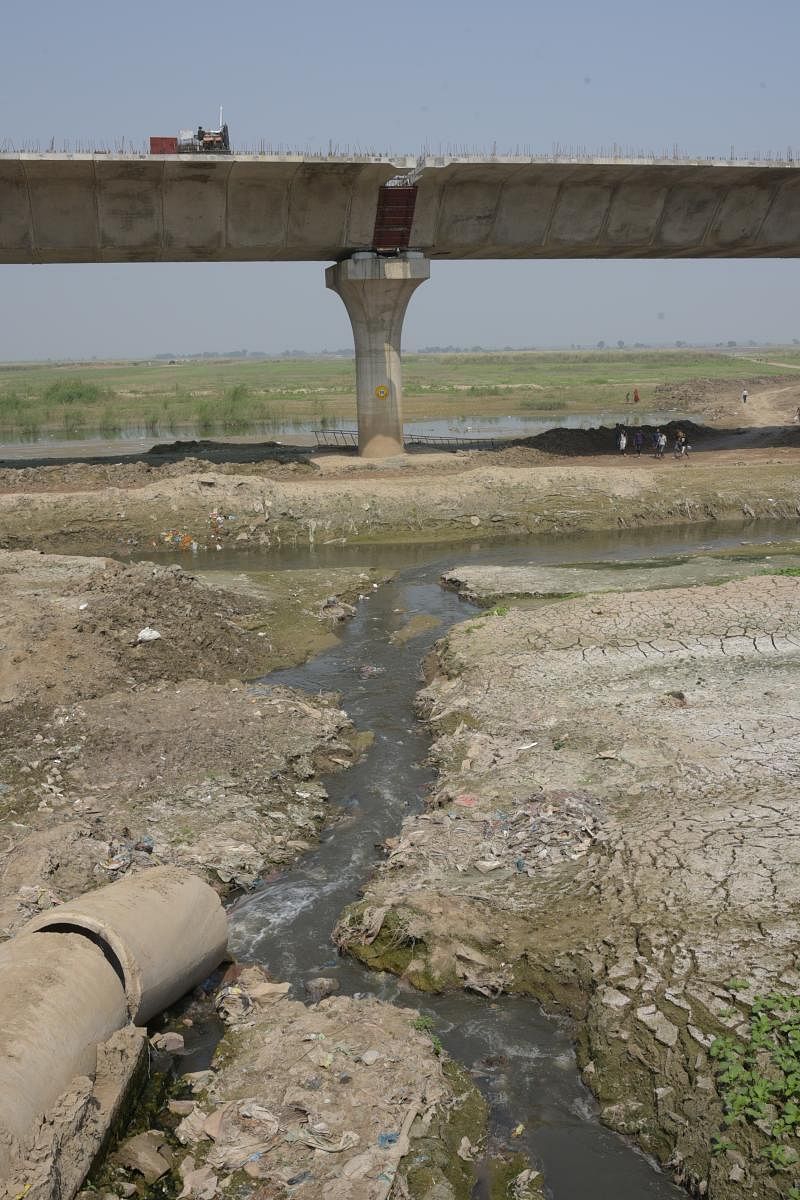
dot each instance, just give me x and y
(138, 438)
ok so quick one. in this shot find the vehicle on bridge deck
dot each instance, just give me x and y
(204, 141)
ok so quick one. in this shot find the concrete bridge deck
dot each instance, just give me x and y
(57, 208)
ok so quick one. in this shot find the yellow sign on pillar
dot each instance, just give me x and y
(381, 391)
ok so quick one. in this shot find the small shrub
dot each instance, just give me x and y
(759, 1078)
(68, 391)
(423, 1023)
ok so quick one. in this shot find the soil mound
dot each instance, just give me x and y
(602, 439)
(82, 635)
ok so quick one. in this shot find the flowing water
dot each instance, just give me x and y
(522, 1059)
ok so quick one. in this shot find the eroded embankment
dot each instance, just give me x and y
(441, 498)
(118, 751)
(615, 833)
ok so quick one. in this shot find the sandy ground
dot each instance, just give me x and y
(615, 832)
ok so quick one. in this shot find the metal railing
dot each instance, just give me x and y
(336, 437)
(451, 443)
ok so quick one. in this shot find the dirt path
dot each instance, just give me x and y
(772, 406)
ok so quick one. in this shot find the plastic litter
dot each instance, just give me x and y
(525, 1186)
(233, 1004)
(148, 635)
(389, 1139)
(301, 1177)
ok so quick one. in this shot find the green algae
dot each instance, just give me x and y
(433, 1166)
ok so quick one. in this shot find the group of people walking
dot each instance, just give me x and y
(634, 441)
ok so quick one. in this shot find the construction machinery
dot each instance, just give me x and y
(203, 141)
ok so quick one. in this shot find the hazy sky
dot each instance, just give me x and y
(706, 75)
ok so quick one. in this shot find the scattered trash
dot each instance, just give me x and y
(389, 1139)
(466, 1150)
(233, 1004)
(518, 1131)
(198, 1081)
(119, 858)
(148, 1153)
(148, 635)
(466, 801)
(169, 1042)
(192, 1127)
(302, 1177)
(525, 1186)
(200, 1183)
(179, 539)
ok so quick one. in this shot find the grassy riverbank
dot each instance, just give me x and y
(253, 395)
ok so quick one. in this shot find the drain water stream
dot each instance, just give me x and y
(286, 924)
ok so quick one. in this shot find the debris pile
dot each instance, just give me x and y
(335, 1097)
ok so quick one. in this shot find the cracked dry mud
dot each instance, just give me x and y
(615, 832)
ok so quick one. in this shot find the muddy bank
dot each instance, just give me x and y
(121, 749)
(413, 498)
(349, 1098)
(486, 586)
(614, 832)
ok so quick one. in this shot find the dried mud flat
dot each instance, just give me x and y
(615, 832)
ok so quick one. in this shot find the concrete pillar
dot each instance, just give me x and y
(376, 292)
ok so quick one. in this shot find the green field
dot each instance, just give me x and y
(217, 396)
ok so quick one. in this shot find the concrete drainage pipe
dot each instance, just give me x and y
(79, 972)
(163, 931)
(59, 998)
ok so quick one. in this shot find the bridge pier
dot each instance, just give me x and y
(376, 292)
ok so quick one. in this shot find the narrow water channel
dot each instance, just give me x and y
(521, 1059)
